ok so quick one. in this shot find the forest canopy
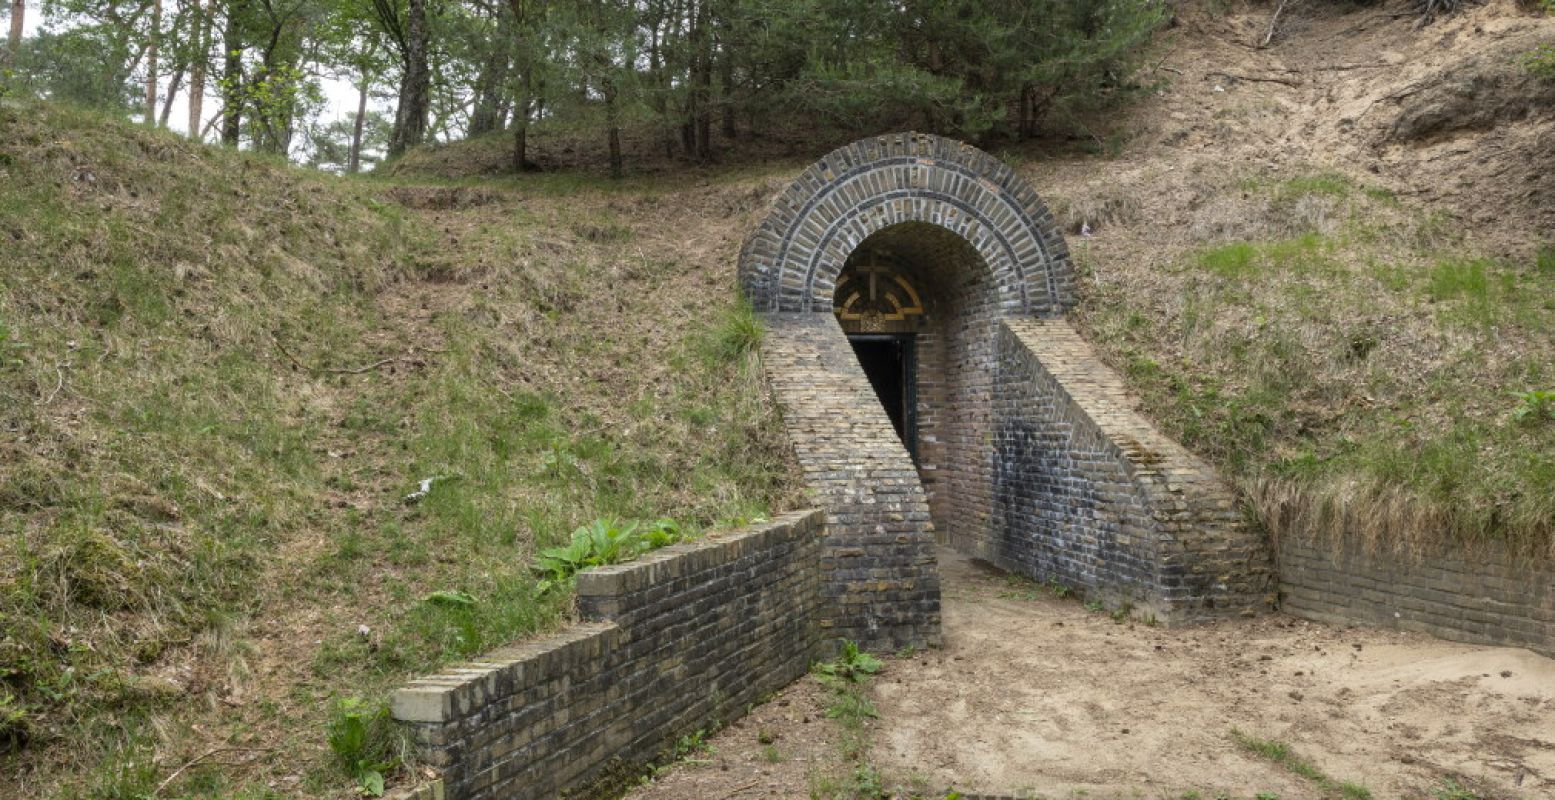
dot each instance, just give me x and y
(253, 73)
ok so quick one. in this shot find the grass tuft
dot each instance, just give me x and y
(1280, 753)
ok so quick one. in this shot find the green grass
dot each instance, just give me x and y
(1280, 753)
(204, 457)
(1360, 380)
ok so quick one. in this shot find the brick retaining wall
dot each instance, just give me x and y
(1090, 494)
(879, 577)
(1487, 597)
(675, 642)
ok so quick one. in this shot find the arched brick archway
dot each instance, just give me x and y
(791, 261)
(1005, 437)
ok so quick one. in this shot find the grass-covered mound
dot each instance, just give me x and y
(1355, 363)
(222, 379)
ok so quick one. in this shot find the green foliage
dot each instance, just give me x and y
(851, 665)
(11, 349)
(1454, 278)
(1451, 789)
(1280, 753)
(1534, 405)
(739, 334)
(14, 723)
(851, 708)
(1544, 260)
(363, 739)
(603, 541)
(1233, 260)
(1541, 61)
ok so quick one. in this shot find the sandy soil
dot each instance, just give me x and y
(1035, 694)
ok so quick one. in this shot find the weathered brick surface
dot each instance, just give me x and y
(680, 639)
(1089, 493)
(1028, 453)
(879, 578)
(791, 262)
(1488, 597)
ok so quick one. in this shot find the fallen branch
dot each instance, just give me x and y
(1274, 21)
(1347, 67)
(198, 759)
(60, 369)
(333, 370)
(1255, 79)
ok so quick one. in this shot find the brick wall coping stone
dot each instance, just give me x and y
(684, 638)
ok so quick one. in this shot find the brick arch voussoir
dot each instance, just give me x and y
(790, 262)
(996, 250)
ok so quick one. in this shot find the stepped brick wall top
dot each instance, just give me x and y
(1089, 493)
(680, 640)
(880, 580)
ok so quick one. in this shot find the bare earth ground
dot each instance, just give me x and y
(1034, 694)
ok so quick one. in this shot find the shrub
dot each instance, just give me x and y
(1541, 61)
(363, 739)
(603, 541)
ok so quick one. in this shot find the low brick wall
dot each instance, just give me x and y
(1487, 597)
(1090, 494)
(681, 639)
(879, 575)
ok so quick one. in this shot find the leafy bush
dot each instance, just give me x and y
(1534, 405)
(363, 739)
(603, 541)
(14, 728)
(1541, 61)
(852, 665)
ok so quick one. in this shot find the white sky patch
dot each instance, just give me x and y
(340, 96)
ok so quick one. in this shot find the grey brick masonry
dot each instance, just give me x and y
(1486, 596)
(675, 642)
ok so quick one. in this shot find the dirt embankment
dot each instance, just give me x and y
(1445, 115)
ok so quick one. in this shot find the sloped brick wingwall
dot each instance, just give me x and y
(1090, 494)
(879, 578)
(681, 639)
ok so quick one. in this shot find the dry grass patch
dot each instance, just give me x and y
(229, 377)
(1353, 363)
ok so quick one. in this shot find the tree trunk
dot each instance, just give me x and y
(356, 130)
(151, 62)
(521, 131)
(410, 119)
(726, 82)
(14, 44)
(1025, 112)
(614, 125)
(702, 84)
(232, 81)
(202, 51)
(489, 110)
(172, 94)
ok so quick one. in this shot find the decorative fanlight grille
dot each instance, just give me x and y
(875, 297)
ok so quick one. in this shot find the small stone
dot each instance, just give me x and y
(1506, 673)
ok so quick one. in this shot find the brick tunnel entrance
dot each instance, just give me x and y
(917, 304)
(913, 289)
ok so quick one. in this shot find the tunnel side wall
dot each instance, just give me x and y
(879, 576)
(1090, 495)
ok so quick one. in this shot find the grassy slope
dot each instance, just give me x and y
(1351, 361)
(201, 470)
